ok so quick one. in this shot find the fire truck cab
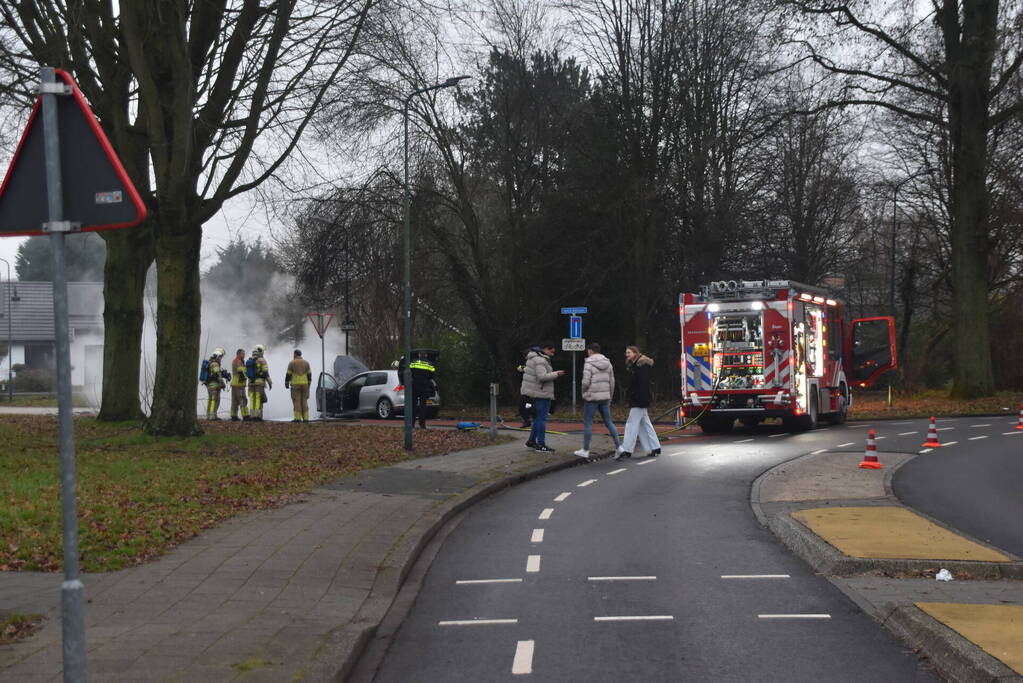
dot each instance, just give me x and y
(753, 350)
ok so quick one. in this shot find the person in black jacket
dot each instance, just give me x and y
(638, 425)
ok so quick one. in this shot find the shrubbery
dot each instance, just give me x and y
(30, 379)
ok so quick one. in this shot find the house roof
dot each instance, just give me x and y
(32, 313)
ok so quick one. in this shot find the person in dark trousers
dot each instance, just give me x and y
(538, 384)
(423, 385)
(638, 425)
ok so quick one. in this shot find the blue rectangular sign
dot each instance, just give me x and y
(575, 310)
(575, 327)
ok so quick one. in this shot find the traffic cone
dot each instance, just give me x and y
(870, 455)
(1019, 425)
(932, 436)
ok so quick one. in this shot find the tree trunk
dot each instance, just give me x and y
(972, 375)
(177, 329)
(129, 253)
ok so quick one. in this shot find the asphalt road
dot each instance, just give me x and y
(616, 572)
(976, 486)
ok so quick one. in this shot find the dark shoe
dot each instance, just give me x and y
(247, 419)
(296, 420)
(654, 453)
(623, 455)
(234, 418)
(530, 444)
(543, 448)
(526, 425)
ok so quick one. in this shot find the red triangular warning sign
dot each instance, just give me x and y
(97, 192)
(320, 321)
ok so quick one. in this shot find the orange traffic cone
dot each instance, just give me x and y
(932, 437)
(870, 456)
(1019, 425)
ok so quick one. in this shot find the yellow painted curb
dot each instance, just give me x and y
(888, 532)
(996, 629)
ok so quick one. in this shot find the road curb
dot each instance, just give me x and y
(956, 657)
(338, 655)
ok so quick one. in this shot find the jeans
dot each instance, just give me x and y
(639, 427)
(589, 408)
(538, 434)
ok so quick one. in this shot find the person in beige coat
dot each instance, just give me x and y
(598, 387)
(538, 384)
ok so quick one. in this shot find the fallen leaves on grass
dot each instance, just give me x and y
(15, 627)
(873, 405)
(139, 495)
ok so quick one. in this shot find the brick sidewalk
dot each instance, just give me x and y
(277, 595)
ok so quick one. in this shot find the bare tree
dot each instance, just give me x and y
(204, 101)
(956, 67)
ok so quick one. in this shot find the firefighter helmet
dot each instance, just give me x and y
(218, 352)
(259, 349)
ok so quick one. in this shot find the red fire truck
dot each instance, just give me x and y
(752, 350)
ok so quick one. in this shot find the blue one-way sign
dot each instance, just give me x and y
(575, 327)
(575, 310)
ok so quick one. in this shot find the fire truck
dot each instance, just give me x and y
(753, 350)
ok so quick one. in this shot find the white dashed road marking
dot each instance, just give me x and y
(793, 616)
(547, 512)
(755, 576)
(532, 564)
(971, 426)
(618, 471)
(467, 582)
(907, 433)
(646, 462)
(1011, 433)
(563, 496)
(775, 436)
(843, 445)
(523, 662)
(651, 617)
(823, 450)
(476, 622)
(537, 536)
(943, 429)
(977, 438)
(926, 450)
(621, 578)
(743, 441)
(587, 482)
(878, 438)
(950, 443)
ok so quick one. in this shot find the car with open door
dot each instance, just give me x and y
(377, 393)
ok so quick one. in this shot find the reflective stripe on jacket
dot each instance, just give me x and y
(238, 377)
(299, 372)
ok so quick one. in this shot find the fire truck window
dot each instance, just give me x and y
(738, 353)
(871, 348)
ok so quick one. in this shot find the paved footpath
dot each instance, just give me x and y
(292, 593)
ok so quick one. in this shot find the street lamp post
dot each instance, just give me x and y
(10, 336)
(407, 377)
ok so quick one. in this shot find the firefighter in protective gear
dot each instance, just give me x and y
(258, 384)
(298, 379)
(238, 382)
(423, 385)
(214, 384)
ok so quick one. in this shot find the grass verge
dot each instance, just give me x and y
(41, 401)
(140, 495)
(15, 627)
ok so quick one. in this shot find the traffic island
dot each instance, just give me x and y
(848, 525)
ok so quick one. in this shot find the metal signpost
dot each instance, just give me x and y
(575, 341)
(321, 321)
(98, 196)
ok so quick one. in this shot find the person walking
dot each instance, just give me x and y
(423, 386)
(214, 384)
(259, 382)
(598, 387)
(298, 378)
(638, 425)
(538, 384)
(238, 382)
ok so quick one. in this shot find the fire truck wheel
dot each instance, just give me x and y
(750, 422)
(838, 417)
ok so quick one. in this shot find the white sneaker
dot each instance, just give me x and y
(619, 450)
(583, 453)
